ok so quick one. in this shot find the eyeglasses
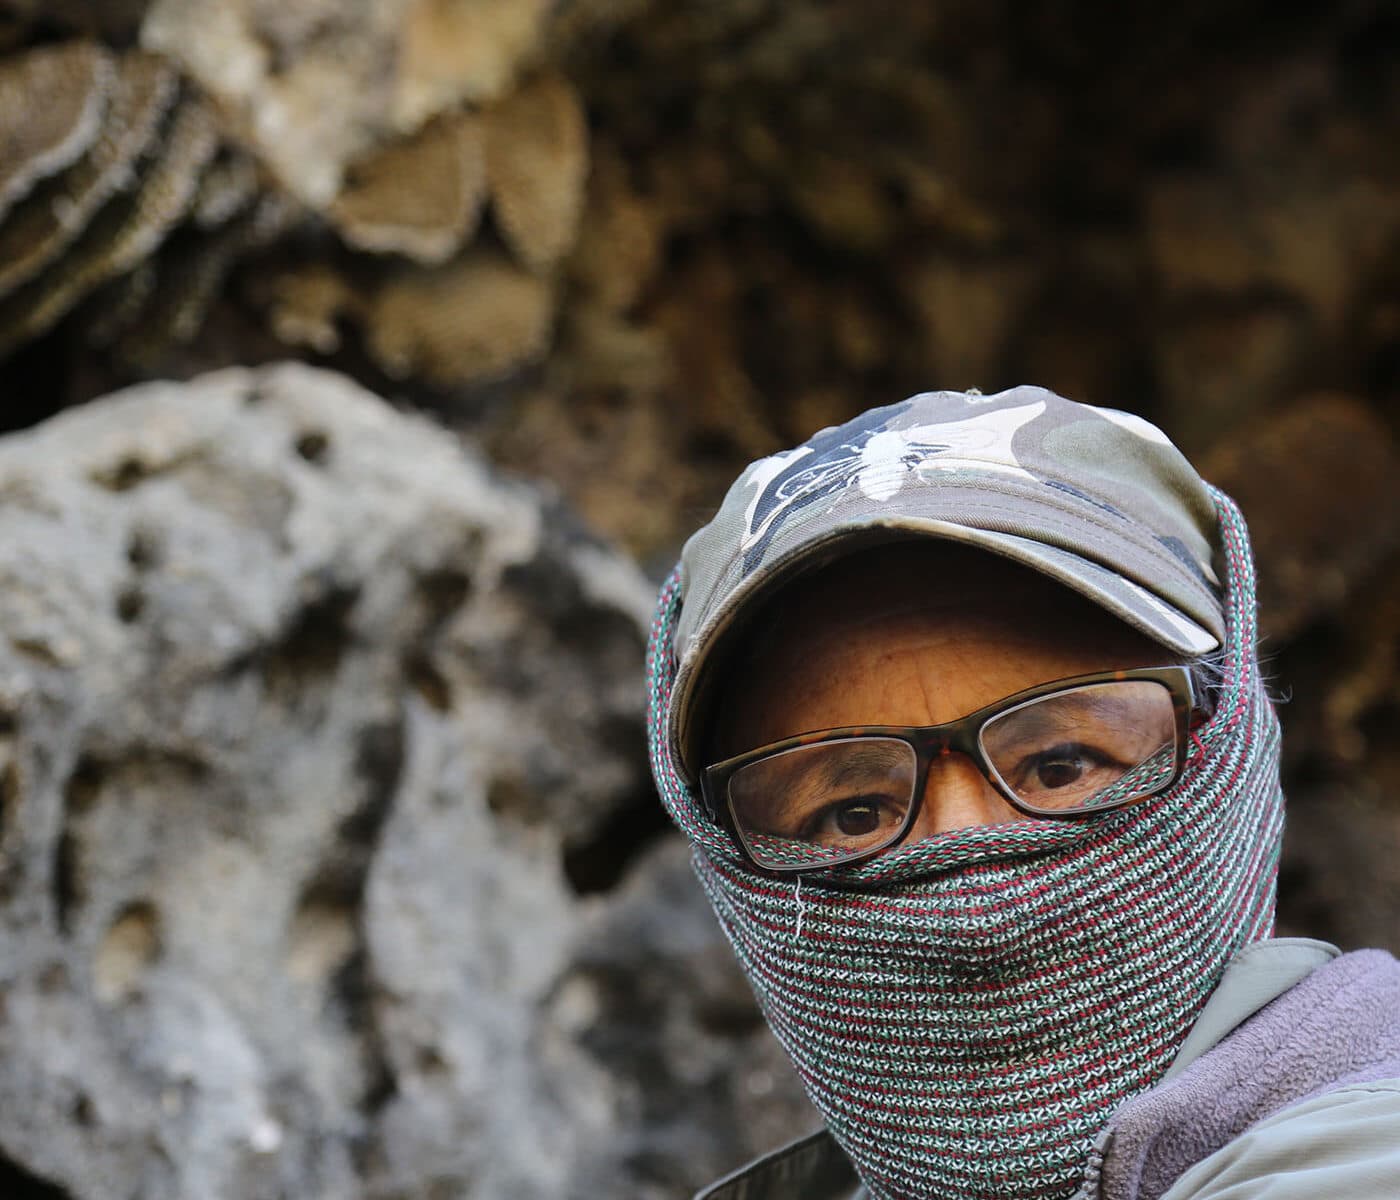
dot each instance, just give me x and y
(1065, 749)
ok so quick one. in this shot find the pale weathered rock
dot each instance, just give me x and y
(655, 1003)
(302, 714)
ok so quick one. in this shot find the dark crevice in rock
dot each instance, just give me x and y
(131, 602)
(131, 471)
(603, 633)
(379, 762)
(66, 887)
(598, 863)
(9, 791)
(444, 591)
(508, 797)
(85, 785)
(39, 381)
(16, 1183)
(313, 446)
(143, 550)
(313, 645)
(351, 990)
(335, 891)
(427, 681)
(326, 951)
(40, 651)
(547, 582)
(82, 1111)
(327, 939)
(599, 856)
(729, 1015)
(543, 583)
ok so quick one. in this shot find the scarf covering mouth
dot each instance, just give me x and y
(969, 1018)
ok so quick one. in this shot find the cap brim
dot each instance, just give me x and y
(1129, 601)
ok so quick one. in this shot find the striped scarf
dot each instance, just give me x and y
(969, 1018)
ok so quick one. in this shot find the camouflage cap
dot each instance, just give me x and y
(1098, 499)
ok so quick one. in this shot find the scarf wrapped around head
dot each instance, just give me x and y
(967, 1020)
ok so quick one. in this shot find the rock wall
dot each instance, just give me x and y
(316, 737)
(622, 246)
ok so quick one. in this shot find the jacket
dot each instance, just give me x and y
(1286, 1088)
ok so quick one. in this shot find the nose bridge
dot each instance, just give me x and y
(956, 793)
(951, 737)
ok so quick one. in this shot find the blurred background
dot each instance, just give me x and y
(329, 865)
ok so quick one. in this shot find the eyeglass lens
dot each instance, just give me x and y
(1085, 748)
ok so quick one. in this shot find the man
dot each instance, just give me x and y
(958, 704)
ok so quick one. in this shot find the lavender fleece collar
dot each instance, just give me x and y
(1339, 1026)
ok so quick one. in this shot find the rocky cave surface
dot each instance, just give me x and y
(313, 728)
(328, 861)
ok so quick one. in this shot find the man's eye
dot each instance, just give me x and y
(1059, 769)
(857, 818)
(1062, 766)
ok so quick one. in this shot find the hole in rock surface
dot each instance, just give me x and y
(130, 604)
(84, 787)
(313, 645)
(599, 863)
(322, 938)
(9, 785)
(313, 445)
(66, 890)
(38, 383)
(379, 761)
(127, 951)
(142, 549)
(444, 591)
(18, 1184)
(428, 682)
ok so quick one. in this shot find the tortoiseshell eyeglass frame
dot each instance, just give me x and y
(960, 736)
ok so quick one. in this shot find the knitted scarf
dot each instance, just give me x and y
(967, 1018)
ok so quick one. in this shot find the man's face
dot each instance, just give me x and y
(915, 633)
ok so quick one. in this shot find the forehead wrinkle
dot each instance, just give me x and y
(830, 649)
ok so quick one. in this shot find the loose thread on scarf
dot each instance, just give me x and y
(797, 895)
